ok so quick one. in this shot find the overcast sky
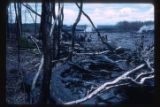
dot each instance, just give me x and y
(101, 14)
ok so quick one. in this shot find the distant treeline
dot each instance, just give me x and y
(122, 26)
(30, 27)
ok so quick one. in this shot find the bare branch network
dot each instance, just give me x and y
(114, 83)
(49, 48)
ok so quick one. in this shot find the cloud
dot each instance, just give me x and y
(70, 15)
(102, 13)
(114, 15)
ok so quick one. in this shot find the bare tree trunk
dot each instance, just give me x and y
(7, 24)
(35, 27)
(99, 35)
(57, 30)
(18, 21)
(74, 28)
(60, 25)
(17, 7)
(50, 44)
(47, 47)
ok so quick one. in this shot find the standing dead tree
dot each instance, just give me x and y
(74, 28)
(18, 28)
(50, 50)
(50, 33)
(115, 83)
(50, 44)
(45, 26)
(35, 31)
(18, 21)
(32, 10)
(99, 35)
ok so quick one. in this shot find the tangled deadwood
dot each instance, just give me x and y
(51, 32)
(114, 83)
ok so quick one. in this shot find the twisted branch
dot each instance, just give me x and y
(99, 35)
(30, 8)
(74, 28)
(107, 84)
(38, 73)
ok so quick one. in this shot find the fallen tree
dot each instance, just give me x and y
(114, 83)
(50, 52)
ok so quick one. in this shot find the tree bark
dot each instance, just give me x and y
(46, 48)
(74, 28)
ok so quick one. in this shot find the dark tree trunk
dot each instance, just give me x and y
(7, 24)
(35, 27)
(46, 47)
(59, 31)
(17, 7)
(74, 28)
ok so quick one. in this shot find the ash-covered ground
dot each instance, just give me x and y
(72, 80)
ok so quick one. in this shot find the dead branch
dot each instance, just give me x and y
(120, 61)
(149, 65)
(90, 21)
(146, 73)
(62, 59)
(99, 35)
(30, 8)
(141, 81)
(91, 53)
(55, 21)
(30, 14)
(145, 78)
(69, 44)
(100, 88)
(143, 73)
(117, 85)
(74, 28)
(33, 39)
(38, 73)
(78, 66)
(34, 67)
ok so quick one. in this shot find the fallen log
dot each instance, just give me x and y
(107, 84)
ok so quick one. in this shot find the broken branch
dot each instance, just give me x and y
(38, 72)
(122, 77)
(30, 8)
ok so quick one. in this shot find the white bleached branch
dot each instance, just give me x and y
(56, 19)
(34, 40)
(100, 88)
(62, 59)
(145, 78)
(143, 73)
(30, 8)
(38, 72)
(92, 53)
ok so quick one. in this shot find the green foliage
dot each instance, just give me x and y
(25, 43)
